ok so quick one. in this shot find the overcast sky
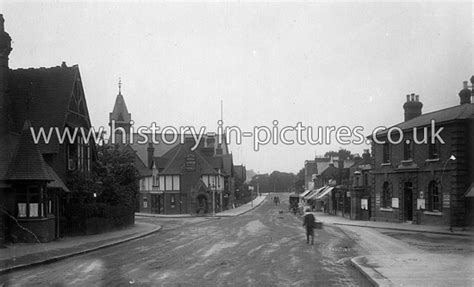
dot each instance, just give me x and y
(315, 63)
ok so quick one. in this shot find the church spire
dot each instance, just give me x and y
(120, 115)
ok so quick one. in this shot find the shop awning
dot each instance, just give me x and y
(305, 192)
(324, 192)
(315, 192)
(470, 191)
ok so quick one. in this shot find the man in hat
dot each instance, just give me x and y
(309, 222)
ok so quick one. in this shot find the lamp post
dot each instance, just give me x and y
(452, 157)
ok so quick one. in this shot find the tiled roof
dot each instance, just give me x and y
(142, 148)
(177, 159)
(47, 92)
(459, 112)
(57, 182)
(27, 162)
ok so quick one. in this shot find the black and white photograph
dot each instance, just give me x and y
(236, 143)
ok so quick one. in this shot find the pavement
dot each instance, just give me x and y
(262, 247)
(23, 255)
(393, 262)
(226, 213)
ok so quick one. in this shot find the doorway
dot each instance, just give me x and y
(201, 204)
(408, 201)
(155, 203)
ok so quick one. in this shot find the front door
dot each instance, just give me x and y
(408, 201)
(155, 203)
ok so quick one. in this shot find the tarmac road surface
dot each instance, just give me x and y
(260, 248)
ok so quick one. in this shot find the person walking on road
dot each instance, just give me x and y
(309, 223)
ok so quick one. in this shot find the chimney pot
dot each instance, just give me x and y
(465, 94)
(63, 65)
(412, 107)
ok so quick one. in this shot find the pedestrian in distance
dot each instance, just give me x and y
(309, 222)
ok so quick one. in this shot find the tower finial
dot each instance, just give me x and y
(120, 85)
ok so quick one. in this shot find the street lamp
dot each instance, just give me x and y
(452, 157)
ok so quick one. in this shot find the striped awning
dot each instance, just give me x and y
(315, 192)
(305, 192)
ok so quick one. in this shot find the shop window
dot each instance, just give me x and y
(29, 203)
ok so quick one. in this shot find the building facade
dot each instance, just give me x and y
(33, 172)
(179, 177)
(426, 182)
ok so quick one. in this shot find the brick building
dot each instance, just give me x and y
(177, 179)
(33, 175)
(426, 183)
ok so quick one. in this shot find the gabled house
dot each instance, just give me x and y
(176, 179)
(33, 172)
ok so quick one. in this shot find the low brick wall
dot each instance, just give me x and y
(44, 228)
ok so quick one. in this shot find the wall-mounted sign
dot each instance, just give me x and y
(446, 200)
(395, 202)
(420, 203)
(190, 162)
(364, 204)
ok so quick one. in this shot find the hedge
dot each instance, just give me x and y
(93, 218)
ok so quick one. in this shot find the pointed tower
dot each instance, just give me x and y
(120, 119)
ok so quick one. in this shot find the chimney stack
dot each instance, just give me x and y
(150, 153)
(412, 107)
(465, 93)
(5, 49)
(366, 154)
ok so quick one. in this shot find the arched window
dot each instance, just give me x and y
(433, 199)
(386, 196)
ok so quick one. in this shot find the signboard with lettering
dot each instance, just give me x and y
(446, 200)
(190, 162)
(395, 202)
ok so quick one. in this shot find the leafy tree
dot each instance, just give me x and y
(119, 177)
(299, 182)
(114, 179)
(276, 181)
